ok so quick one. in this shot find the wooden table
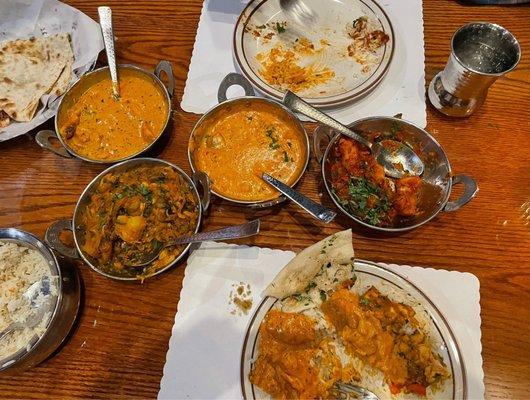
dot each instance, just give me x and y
(118, 346)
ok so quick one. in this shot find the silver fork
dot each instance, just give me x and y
(299, 12)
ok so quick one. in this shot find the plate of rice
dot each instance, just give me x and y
(328, 318)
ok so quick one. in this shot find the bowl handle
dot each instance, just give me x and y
(234, 79)
(52, 238)
(470, 190)
(165, 66)
(321, 133)
(202, 180)
(43, 140)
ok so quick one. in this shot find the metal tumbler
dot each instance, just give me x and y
(481, 52)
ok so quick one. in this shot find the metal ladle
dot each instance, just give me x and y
(400, 156)
(298, 11)
(316, 210)
(105, 20)
(232, 232)
(31, 294)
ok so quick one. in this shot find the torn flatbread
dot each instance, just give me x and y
(30, 69)
(301, 270)
(4, 119)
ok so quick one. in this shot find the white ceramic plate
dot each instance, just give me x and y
(256, 33)
(370, 274)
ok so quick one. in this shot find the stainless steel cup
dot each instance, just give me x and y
(481, 52)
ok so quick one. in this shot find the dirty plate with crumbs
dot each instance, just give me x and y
(339, 60)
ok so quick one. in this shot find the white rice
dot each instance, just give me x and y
(20, 267)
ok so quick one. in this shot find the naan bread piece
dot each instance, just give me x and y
(301, 270)
(31, 68)
(4, 119)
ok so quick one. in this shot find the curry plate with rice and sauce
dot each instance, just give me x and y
(328, 318)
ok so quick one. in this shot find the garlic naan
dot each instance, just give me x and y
(296, 275)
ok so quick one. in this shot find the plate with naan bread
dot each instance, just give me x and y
(39, 62)
(328, 318)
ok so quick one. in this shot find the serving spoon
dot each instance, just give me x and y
(298, 11)
(105, 20)
(232, 232)
(316, 210)
(31, 294)
(399, 161)
(348, 389)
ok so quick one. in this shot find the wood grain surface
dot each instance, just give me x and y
(118, 346)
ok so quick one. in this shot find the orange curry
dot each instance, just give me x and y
(359, 184)
(99, 127)
(244, 141)
(295, 360)
(385, 335)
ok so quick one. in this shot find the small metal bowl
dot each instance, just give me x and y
(63, 312)
(211, 115)
(73, 225)
(437, 173)
(43, 138)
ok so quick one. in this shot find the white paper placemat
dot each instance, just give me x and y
(401, 91)
(203, 360)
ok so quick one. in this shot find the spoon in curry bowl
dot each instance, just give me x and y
(232, 232)
(398, 161)
(105, 20)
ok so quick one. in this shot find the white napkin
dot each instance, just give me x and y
(401, 91)
(203, 360)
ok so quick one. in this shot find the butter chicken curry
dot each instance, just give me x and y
(242, 142)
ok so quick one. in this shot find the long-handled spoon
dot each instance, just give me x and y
(232, 232)
(348, 389)
(298, 11)
(400, 155)
(39, 309)
(105, 20)
(316, 210)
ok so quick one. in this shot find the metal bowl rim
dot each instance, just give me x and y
(19, 358)
(95, 180)
(130, 66)
(274, 103)
(497, 26)
(379, 228)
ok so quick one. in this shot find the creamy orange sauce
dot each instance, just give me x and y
(294, 360)
(99, 127)
(372, 328)
(243, 141)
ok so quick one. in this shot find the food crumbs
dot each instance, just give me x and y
(240, 299)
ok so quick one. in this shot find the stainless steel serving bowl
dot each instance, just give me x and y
(63, 311)
(211, 115)
(44, 138)
(434, 197)
(53, 232)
